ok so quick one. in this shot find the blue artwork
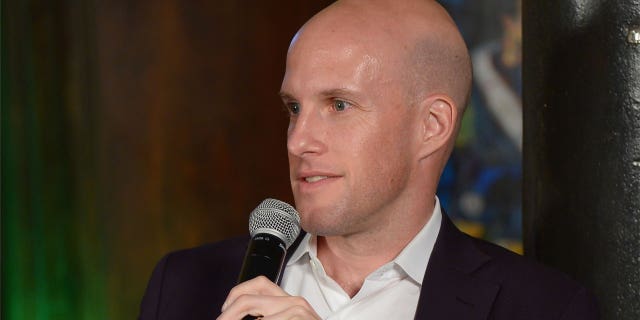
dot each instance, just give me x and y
(481, 187)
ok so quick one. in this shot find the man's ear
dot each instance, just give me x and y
(439, 115)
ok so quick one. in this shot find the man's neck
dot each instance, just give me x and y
(350, 259)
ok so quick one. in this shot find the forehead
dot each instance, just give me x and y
(326, 59)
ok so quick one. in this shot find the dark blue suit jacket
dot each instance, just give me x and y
(466, 279)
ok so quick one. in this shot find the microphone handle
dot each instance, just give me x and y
(265, 257)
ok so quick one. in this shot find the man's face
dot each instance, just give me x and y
(351, 137)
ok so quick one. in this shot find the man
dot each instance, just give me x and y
(375, 90)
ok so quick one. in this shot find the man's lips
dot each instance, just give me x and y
(311, 183)
(315, 177)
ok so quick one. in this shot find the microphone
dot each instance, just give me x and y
(274, 225)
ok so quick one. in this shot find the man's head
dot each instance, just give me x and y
(376, 90)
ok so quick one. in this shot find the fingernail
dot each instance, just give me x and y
(224, 306)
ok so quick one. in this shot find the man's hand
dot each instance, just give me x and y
(260, 297)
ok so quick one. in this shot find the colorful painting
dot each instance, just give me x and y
(481, 187)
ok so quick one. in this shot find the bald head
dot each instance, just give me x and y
(375, 90)
(415, 42)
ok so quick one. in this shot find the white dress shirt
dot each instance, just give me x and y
(390, 292)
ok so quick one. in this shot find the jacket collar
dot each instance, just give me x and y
(292, 248)
(449, 289)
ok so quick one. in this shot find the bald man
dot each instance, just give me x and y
(375, 91)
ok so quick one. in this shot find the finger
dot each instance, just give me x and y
(259, 305)
(297, 312)
(256, 286)
(243, 305)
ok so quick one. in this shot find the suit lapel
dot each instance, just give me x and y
(292, 248)
(449, 289)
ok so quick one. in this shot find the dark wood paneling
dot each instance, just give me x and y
(192, 133)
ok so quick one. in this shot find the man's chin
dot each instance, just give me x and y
(319, 218)
(322, 227)
(322, 231)
(310, 224)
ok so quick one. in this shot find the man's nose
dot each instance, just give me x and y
(304, 136)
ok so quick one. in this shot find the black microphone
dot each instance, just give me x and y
(274, 225)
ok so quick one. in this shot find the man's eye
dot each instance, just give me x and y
(340, 105)
(293, 107)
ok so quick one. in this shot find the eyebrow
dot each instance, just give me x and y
(285, 96)
(325, 93)
(337, 92)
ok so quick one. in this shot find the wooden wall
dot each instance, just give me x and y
(150, 126)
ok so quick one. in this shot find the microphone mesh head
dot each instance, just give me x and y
(277, 218)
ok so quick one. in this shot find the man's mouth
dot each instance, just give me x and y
(313, 179)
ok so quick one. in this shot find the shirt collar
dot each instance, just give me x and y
(413, 259)
(306, 247)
